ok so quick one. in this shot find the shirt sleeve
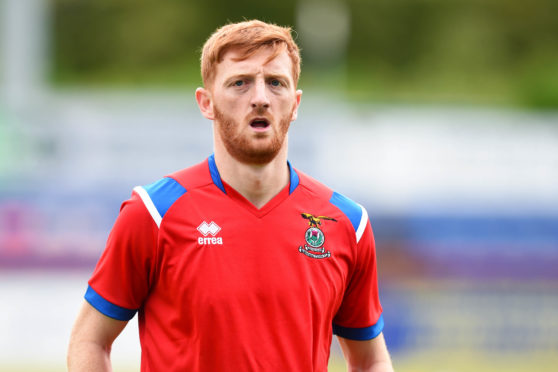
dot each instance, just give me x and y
(360, 314)
(125, 271)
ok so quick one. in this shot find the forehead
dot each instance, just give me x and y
(258, 63)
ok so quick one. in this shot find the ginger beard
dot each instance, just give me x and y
(251, 148)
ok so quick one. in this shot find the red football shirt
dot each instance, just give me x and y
(221, 285)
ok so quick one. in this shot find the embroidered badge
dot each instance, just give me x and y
(315, 237)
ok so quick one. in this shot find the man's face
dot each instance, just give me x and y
(254, 102)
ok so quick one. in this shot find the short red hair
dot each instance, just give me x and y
(247, 38)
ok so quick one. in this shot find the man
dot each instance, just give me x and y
(241, 262)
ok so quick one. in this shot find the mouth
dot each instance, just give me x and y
(259, 123)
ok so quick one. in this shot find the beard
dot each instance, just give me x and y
(252, 148)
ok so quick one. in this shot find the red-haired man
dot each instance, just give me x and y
(239, 263)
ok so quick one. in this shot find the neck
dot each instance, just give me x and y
(257, 183)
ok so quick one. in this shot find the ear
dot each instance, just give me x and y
(298, 96)
(205, 103)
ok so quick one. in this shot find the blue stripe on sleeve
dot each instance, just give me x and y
(163, 193)
(215, 176)
(360, 334)
(106, 307)
(351, 209)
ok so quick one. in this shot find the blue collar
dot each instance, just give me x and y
(217, 178)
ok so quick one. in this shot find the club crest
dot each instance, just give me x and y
(315, 237)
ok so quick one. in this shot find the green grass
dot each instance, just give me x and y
(420, 362)
(478, 362)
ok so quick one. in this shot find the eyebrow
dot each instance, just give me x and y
(277, 76)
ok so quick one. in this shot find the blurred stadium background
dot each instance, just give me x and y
(441, 117)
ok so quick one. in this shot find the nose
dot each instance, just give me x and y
(260, 98)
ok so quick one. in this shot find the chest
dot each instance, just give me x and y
(213, 251)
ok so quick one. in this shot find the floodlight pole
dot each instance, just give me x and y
(23, 51)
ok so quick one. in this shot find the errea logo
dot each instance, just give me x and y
(209, 229)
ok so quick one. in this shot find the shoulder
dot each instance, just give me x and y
(353, 211)
(160, 195)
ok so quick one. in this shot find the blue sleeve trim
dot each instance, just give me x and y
(215, 176)
(360, 334)
(108, 308)
(351, 209)
(164, 193)
(294, 178)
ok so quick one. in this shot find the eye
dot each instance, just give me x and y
(238, 83)
(275, 83)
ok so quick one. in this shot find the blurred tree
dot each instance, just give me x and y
(458, 51)
(123, 40)
(144, 41)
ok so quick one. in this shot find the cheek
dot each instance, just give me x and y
(231, 110)
(284, 103)
(227, 99)
(226, 105)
